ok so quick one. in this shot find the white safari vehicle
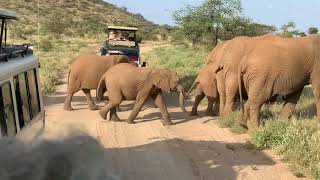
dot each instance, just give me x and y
(21, 106)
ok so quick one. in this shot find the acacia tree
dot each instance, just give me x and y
(203, 23)
(313, 30)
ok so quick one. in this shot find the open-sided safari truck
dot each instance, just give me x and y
(122, 41)
(21, 106)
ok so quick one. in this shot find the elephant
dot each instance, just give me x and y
(85, 73)
(279, 68)
(126, 82)
(226, 69)
(206, 86)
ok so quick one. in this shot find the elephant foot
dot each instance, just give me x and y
(67, 108)
(102, 115)
(243, 124)
(130, 122)
(210, 113)
(252, 127)
(115, 118)
(166, 122)
(193, 113)
(93, 107)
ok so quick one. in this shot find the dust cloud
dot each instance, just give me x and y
(76, 157)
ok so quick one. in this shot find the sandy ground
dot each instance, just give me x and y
(191, 149)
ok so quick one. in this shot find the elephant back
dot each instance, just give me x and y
(87, 69)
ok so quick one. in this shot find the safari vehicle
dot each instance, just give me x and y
(122, 41)
(21, 106)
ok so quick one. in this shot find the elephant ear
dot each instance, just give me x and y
(161, 80)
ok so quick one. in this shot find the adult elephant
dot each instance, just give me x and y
(226, 68)
(85, 73)
(126, 82)
(280, 68)
(206, 85)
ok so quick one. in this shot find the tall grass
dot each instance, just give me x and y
(55, 60)
(186, 61)
(297, 140)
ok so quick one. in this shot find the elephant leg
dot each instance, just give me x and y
(316, 93)
(290, 104)
(210, 111)
(108, 107)
(104, 111)
(117, 108)
(221, 90)
(198, 98)
(67, 103)
(231, 88)
(160, 103)
(92, 105)
(254, 121)
(113, 114)
(246, 115)
(141, 99)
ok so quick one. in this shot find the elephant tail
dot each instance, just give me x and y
(69, 77)
(240, 89)
(196, 82)
(101, 89)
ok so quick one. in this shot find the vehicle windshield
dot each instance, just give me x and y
(122, 38)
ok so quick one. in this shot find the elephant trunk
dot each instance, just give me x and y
(181, 98)
(181, 102)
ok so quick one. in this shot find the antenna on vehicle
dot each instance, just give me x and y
(5, 34)
(38, 26)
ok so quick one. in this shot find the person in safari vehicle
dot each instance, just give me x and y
(122, 41)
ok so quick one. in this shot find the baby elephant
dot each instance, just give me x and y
(206, 86)
(126, 82)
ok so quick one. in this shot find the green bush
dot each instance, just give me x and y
(50, 71)
(297, 140)
(231, 121)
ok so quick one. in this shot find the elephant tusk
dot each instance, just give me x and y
(181, 102)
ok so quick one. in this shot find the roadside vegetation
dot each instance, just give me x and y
(186, 61)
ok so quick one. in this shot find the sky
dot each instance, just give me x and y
(304, 13)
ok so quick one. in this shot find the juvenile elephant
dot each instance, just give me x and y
(206, 86)
(126, 82)
(280, 68)
(85, 73)
(226, 68)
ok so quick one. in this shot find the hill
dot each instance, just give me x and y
(72, 18)
(68, 28)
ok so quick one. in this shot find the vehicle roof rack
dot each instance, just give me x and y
(6, 14)
(122, 28)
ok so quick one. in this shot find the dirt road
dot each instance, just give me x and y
(191, 149)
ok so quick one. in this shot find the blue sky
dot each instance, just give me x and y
(304, 13)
